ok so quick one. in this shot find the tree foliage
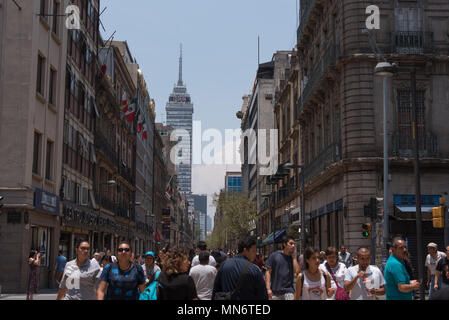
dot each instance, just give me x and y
(235, 215)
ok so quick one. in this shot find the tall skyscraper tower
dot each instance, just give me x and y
(179, 110)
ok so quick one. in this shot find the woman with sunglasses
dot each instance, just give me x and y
(121, 280)
(81, 276)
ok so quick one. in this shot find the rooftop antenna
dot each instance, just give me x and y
(180, 67)
(258, 51)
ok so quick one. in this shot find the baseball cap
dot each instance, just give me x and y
(432, 245)
(149, 253)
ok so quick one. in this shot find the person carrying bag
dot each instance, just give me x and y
(340, 294)
(232, 295)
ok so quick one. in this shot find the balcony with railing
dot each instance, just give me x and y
(329, 155)
(406, 43)
(106, 203)
(305, 17)
(321, 68)
(122, 211)
(412, 42)
(126, 173)
(402, 146)
(102, 145)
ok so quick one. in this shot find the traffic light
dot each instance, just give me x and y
(371, 210)
(366, 230)
(438, 217)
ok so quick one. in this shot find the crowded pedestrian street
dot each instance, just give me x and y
(226, 152)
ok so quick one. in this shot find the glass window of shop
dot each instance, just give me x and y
(64, 244)
(40, 241)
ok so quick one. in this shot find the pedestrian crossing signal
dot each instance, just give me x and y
(438, 217)
(366, 230)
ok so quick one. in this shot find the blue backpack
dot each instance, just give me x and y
(150, 293)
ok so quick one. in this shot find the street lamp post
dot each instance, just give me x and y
(394, 68)
(385, 70)
(303, 215)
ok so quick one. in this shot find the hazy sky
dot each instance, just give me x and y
(219, 51)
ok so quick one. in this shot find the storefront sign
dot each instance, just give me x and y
(78, 216)
(46, 202)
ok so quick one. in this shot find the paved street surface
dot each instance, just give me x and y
(47, 294)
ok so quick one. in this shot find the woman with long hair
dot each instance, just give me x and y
(313, 283)
(121, 280)
(34, 261)
(175, 282)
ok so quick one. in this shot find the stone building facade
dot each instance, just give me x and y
(78, 219)
(258, 117)
(340, 113)
(115, 141)
(33, 49)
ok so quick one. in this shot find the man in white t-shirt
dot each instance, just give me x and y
(200, 248)
(365, 281)
(204, 276)
(431, 264)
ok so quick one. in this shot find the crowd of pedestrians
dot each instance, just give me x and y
(245, 274)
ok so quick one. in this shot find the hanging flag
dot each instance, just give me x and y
(104, 68)
(170, 188)
(130, 114)
(144, 133)
(139, 121)
(124, 106)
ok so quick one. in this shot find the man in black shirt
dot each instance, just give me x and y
(252, 286)
(281, 267)
(442, 271)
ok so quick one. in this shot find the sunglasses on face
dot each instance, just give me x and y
(123, 249)
(84, 248)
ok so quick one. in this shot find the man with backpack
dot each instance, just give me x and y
(238, 278)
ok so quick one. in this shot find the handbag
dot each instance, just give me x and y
(340, 294)
(233, 294)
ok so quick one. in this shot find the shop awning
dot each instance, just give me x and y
(407, 209)
(269, 239)
(279, 235)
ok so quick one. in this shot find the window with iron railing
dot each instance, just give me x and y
(402, 140)
(405, 105)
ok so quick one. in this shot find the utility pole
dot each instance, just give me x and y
(419, 236)
(446, 221)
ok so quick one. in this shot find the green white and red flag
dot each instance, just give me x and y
(139, 121)
(124, 105)
(144, 133)
(130, 114)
